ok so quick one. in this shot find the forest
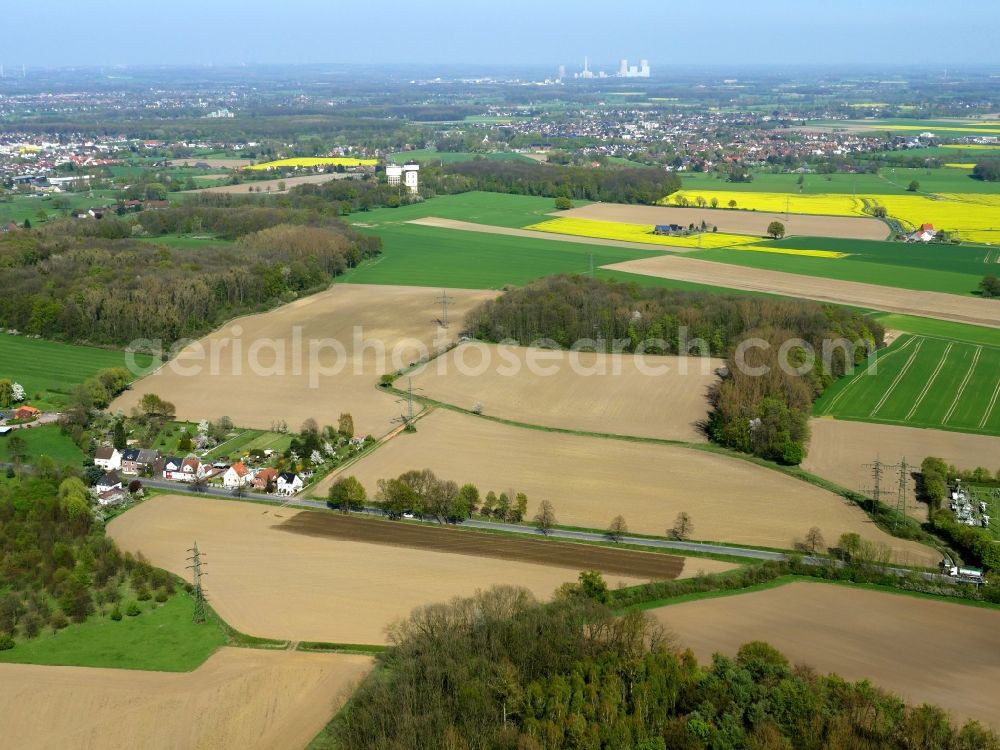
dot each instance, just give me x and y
(764, 414)
(645, 185)
(475, 675)
(89, 280)
(56, 564)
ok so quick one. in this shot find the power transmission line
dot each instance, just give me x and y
(199, 594)
(445, 301)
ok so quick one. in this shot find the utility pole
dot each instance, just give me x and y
(901, 497)
(445, 301)
(199, 594)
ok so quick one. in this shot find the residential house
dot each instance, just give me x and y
(237, 475)
(112, 497)
(265, 476)
(288, 483)
(110, 481)
(26, 412)
(357, 441)
(925, 233)
(137, 460)
(185, 469)
(108, 458)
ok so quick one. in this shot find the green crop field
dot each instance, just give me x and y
(496, 209)
(447, 157)
(955, 269)
(21, 207)
(49, 370)
(162, 638)
(428, 256)
(923, 381)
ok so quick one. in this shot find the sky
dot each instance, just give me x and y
(667, 32)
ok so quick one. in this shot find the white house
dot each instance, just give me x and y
(236, 475)
(108, 458)
(109, 481)
(288, 483)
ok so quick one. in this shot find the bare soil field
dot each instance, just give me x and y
(866, 296)
(735, 222)
(263, 371)
(648, 396)
(212, 163)
(268, 582)
(239, 698)
(271, 186)
(590, 480)
(469, 226)
(841, 451)
(577, 557)
(926, 651)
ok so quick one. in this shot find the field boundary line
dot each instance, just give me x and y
(961, 388)
(899, 377)
(930, 381)
(989, 409)
(850, 384)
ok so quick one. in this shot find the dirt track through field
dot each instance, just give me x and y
(264, 370)
(590, 480)
(577, 557)
(239, 698)
(842, 451)
(468, 226)
(648, 396)
(735, 222)
(866, 296)
(268, 582)
(926, 651)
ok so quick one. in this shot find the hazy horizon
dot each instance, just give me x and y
(519, 34)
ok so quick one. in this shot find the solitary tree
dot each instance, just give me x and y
(776, 230)
(346, 494)
(345, 425)
(563, 203)
(682, 527)
(6, 393)
(732, 204)
(990, 286)
(913, 187)
(545, 518)
(119, 439)
(617, 529)
(814, 539)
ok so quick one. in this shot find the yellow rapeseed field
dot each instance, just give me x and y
(973, 147)
(792, 251)
(954, 165)
(614, 230)
(973, 217)
(320, 161)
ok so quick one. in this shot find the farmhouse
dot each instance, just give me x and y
(668, 229)
(288, 483)
(925, 233)
(237, 475)
(108, 458)
(26, 412)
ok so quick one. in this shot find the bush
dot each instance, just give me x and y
(161, 595)
(58, 621)
(6, 643)
(116, 614)
(133, 610)
(143, 594)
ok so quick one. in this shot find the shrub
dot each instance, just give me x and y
(161, 595)
(6, 643)
(133, 610)
(116, 614)
(58, 621)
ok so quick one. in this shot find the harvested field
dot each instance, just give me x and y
(926, 651)
(261, 375)
(866, 296)
(650, 396)
(736, 222)
(841, 450)
(265, 581)
(271, 186)
(590, 480)
(576, 557)
(239, 698)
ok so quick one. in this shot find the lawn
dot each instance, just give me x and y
(496, 209)
(923, 381)
(247, 440)
(416, 255)
(163, 638)
(955, 269)
(49, 370)
(47, 440)
(21, 207)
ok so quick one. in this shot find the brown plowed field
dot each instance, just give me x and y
(735, 222)
(268, 582)
(588, 391)
(590, 480)
(842, 451)
(269, 378)
(577, 557)
(926, 651)
(239, 698)
(866, 296)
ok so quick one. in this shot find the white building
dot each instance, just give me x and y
(237, 475)
(108, 458)
(288, 483)
(407, 174)
(631, 71)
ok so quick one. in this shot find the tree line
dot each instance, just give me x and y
(87, 280)
(987, 170)
(474, 674)
(765, 414)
